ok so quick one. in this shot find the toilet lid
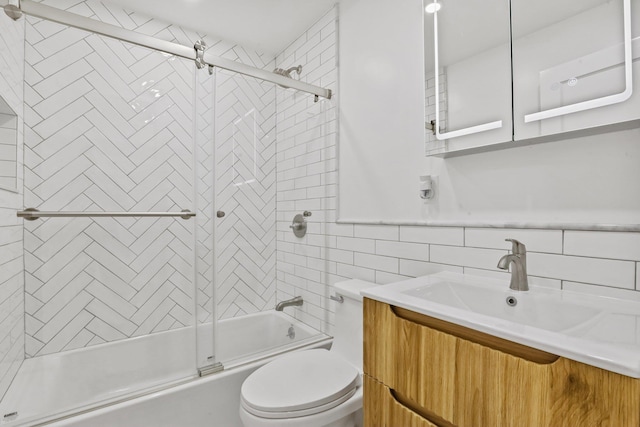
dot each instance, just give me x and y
(299, 382)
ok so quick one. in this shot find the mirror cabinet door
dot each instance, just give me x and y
(467, 74)
(573, 65)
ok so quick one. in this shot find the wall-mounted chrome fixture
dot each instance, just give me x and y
(293, 302)
(299, 224)
(426, 187)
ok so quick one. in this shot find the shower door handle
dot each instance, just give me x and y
(220, 214)
(605, 100)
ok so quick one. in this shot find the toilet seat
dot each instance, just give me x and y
(299, 384)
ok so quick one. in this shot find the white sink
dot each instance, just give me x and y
(600, 331)
(528, 308)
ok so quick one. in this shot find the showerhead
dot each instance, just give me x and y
(288, 71)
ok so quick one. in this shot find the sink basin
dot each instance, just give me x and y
(532, 309)
(596, 330)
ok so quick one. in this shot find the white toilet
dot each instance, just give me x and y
(313, 388)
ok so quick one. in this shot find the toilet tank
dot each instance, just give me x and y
(347, 337)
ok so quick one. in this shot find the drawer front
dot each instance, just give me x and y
(470, 384)
(381, 409)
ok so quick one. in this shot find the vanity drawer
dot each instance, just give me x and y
(382, 409)
(472, 379)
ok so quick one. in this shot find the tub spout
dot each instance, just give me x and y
(296, 301)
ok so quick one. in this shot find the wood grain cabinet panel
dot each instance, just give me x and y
(381, 409)
(470, 379)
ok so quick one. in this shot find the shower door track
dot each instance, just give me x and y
(60, 16)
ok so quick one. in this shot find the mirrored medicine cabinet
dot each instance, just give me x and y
(8, 147)
(500, 72)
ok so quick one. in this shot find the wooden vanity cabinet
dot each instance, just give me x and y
(421, 371)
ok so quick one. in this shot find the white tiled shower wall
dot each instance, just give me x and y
(306, 172)
(110, 126)
(586, 261)
(11, 243)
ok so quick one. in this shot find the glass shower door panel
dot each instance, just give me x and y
(109, 302)
(245, 180)
(206, 318)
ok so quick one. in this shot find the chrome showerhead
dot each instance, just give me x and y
(288, 71)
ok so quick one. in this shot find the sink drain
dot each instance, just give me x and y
(512, 301)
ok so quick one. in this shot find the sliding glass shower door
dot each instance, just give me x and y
(109, 301)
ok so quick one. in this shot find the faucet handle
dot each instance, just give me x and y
(517, 248)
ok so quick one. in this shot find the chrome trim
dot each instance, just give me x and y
(31, 214)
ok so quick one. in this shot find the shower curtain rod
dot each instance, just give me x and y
(39, 10)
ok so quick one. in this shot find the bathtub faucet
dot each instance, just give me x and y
(295, 301)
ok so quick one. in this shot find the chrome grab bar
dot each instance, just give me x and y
(32, 214)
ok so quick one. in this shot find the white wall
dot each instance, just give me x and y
(11, 241)
(584, 180)
(381, 108)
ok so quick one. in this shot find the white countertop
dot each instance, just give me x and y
(596, 330)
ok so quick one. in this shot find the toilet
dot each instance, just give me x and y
(313, 388)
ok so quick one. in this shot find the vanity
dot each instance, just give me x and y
(457, 350)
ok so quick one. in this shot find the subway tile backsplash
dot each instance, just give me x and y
(605, 263)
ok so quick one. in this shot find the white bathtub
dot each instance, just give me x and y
(112, 377)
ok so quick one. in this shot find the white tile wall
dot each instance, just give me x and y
(12, 333)
(306, 177)
(245, 175)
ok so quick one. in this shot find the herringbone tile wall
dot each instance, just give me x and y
(110, 126)
(11, 243)
(245, 190)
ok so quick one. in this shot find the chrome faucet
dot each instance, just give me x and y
(517, 258)
(295, 301)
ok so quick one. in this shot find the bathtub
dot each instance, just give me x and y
(125, 384)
